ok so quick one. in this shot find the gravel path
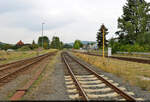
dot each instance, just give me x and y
(138, 92)
(53, 87)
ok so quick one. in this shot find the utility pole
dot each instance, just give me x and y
(103, 29)
(42, 34)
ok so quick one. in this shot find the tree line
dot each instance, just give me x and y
(133, 28)
(42, 42)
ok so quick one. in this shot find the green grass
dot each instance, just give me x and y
(128, 71)
(141, 56)
(18, 55)
(45, 74)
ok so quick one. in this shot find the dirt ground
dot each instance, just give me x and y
(52, 87)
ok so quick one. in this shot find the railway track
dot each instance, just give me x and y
(85, 84)
(120, 58)
(11, 70)
(17, 62)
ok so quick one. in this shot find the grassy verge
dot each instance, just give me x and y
(18, 55)
(141, 56)
(44, 76)
(20, 85)
(133, 73)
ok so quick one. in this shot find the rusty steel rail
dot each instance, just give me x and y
(16, 71)
(21, 91)
(19, 61)
(33, 61)
(138, 60)
(81, 92)
(117, 90)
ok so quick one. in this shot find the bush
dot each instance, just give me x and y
(6, 47)
(24, 48)
(129, 48)
(115, 47)
(147, 47)
(33, 46)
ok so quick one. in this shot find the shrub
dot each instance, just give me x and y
(129, 48)
(115, 47)
(24, 48)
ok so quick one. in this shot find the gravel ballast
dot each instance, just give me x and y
(17, 82)
(53, 86)
(138, 92)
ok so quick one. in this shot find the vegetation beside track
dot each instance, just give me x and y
(136, 74)
(18, 55)
(44, 76)
(129, 55)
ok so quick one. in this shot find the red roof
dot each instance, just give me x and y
(20, 43)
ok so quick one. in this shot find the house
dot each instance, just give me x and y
(20, 43)
(92, 46)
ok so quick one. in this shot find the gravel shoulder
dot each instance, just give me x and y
(138, 92)
(7, 90)
(52, 83)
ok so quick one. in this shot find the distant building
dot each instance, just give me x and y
(94, 46)
(20, 43)
(90, 46)
(10, 50)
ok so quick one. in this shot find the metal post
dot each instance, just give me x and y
(103, 43)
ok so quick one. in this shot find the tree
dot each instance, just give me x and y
(45, 40)
(45, 45)
(61, 45)
(100, 36)
(77, 44)
(33, 42)
(56, 43)
(134, 22)
(34, 45)
(114, 45)
(6, 47)
(24, 48)
(67, 46)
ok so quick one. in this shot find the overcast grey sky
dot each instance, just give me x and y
(68, 19)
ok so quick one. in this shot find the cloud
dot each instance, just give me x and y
(13, 6)
(31, 19)
(69, 19)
